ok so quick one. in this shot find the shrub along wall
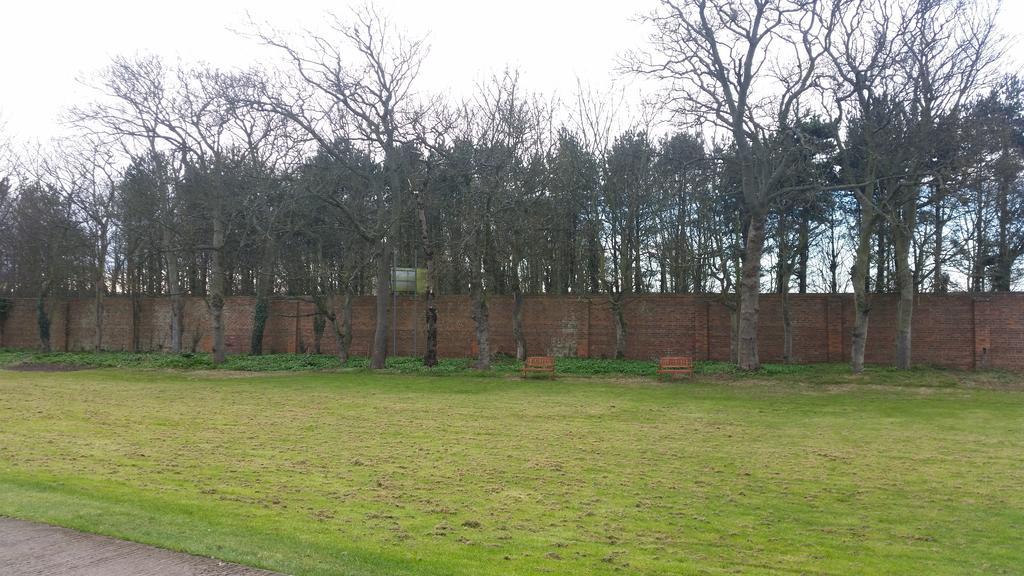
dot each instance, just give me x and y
(962, 331)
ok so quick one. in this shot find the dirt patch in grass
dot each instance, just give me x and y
(46, 367)
(994, 380)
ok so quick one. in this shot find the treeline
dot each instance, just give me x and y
(822, 146)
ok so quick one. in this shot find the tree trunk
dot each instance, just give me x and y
(319, 323)
(430, 354)
(734, 331)
(261, 311)
(620, 324)
(750, 289)
(98, 322)
(5, 305)
(342, 328)
(883, 261)
(787, 329)
(860, 327)
(174, 290)
(593, 257)
(1003, 268)
(859, 278)
(43, 318)
(517, 334)
(976, 282)
(100, 289)
(379, 357)
(663, 275)
(217, 281)
(939, 276)
(517, 307)
(481, 318)
(136, 312)
(905, 278)
(177, 319)
(804, 253)
(259, 322)
(785, 269)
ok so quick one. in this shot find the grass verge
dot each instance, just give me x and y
(358, 473)
(502, 366)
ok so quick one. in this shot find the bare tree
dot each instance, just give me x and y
(949, 48)
(190, 112)
(594, 119)
(48, 242)
(362, 78)
(87, 176)
(744, 67)
(270, 146)
(430, 352)
(435, 131)
(513, 148)
(862, 63)
(136, 109)
(218, 136)
(318, 178)
(7, 223)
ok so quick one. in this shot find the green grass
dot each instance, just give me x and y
(306, 362)
(794, 470)
(502, 365)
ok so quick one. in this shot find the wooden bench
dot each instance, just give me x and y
(539, 364)
(674, 365)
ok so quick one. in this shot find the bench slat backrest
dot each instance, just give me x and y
(540, 362)
(676, 362)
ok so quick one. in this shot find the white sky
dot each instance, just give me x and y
(47, 46)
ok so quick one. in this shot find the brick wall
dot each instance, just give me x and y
(960, 330)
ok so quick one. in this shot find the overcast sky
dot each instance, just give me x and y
(47, 47)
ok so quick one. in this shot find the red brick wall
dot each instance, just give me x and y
(958, 330)
(21, 327)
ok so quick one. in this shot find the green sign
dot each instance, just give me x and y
(409, 280)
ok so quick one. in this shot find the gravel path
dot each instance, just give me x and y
(32, 549)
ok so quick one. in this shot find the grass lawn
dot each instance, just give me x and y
(804, 472)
